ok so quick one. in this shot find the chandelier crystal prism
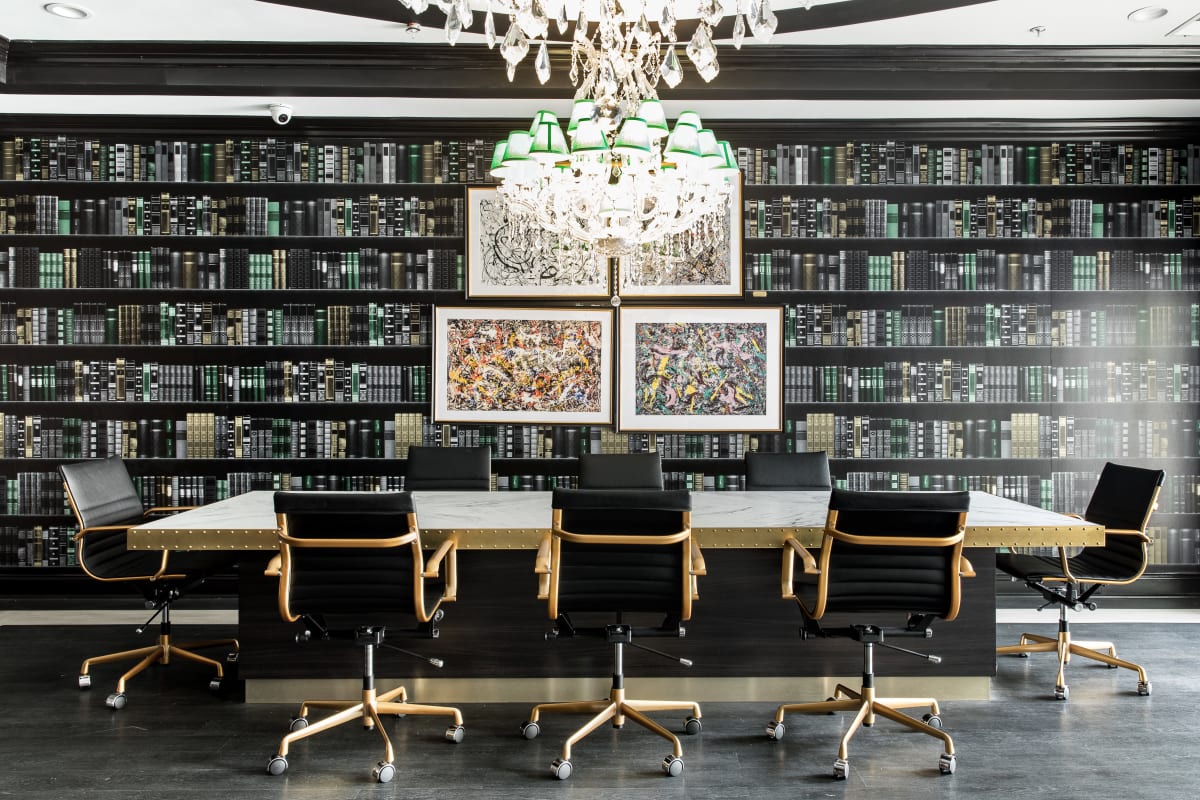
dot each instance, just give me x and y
(653, 20)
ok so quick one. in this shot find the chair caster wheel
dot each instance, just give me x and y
(672, 766)
(775, 730)
(1022, 655)
(455, 733)
(297, 724)
(277, 765)
(692, 726)
(85, 681)
(841, 768)
(384, 771)
(231, 657)
(116, 701)
(1144, 688)
(831, 700)
(214, 685)
(1062, 692)
(530, 730)
(947, 763)
(933, 721)
(561, 769)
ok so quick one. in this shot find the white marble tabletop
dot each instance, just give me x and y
(518, 520)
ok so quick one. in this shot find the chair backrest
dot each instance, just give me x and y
(787, 471)
(892, 551)
(354, 553)
(448, 469)
(620, 471)
(102, 493)
(1123, 500)
(621, 551)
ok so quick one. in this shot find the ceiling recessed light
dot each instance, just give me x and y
(66, 11)
(1147, 14)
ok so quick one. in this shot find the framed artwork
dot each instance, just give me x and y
(510, 255)
(522, 365)
(701, 369)
(686, 266)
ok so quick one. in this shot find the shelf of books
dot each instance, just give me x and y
(255, 312)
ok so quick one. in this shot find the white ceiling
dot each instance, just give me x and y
(1002, 22)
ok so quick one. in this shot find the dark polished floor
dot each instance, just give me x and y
(178, 741)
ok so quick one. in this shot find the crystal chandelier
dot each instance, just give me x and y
(652, 22)
(622, 184)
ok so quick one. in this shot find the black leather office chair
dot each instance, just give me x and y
(106, 504)
(349, 562)
(620, 471)
(448, 469)
(1122, 502)
(613, 559)
(787, 471)
(881, 552)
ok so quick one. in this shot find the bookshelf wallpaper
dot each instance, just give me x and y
(254, 313)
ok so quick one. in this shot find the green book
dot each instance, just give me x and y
(206, 161)
(320, 327)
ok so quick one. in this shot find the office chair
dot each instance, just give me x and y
(1122, 502)
(620, 471)
(613, 558)
(881, 552)
(448, 469)
(106, 504)
(349, 562)
(787, 471)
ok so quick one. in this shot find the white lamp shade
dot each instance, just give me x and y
(582, 111)
(549, 144)
(651, 110)
(633, 139)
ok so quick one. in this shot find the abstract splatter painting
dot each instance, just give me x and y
(510, 255)
(522, 365)
(711, 369)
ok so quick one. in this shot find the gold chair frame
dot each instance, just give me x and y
(864, 702)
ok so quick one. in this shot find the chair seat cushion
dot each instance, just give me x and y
(1090, 565)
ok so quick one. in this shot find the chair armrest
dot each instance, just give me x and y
(447, 551)
(167, 509)
(541, 568)
(698, 565)
(965, 570)
(274, 568)
(792, 548)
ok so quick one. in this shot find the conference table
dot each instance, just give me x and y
(742, 636)
(519, 520)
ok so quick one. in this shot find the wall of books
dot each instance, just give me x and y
(251, 312)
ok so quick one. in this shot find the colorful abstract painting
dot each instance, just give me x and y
(522, 365)
(716, 369)
(510, 255)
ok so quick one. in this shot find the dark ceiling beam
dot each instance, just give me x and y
(832, 15)
(756, 73)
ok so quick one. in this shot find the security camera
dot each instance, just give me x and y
(281, 113)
